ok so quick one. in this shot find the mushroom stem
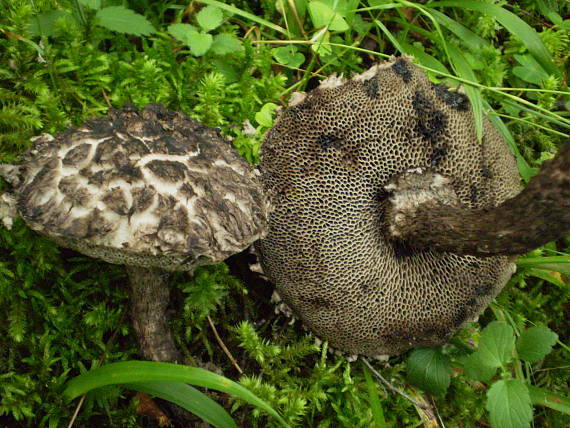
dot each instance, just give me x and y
(149, 299)
(420, 215)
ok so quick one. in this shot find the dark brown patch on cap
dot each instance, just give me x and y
(77, 154)
(400, 67)
(168, 170)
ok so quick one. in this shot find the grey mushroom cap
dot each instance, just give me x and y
(149, 188)
(326, 164)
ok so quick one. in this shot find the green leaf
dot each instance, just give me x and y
(429, 369)
(209, 17)
(463, 70)
(322, 14)
(250, 16)
(180, 31)
(288, 55)
(265, 116)
(546, 398)
(496, 344)
(530, 70)
(225, 44)
(509, 405)
(151, 371)
(199, 43)
(188, 398)
(123, 20)
(92, 4)
(45, 23)
(535, 343)
(475, 367)
(516, 26)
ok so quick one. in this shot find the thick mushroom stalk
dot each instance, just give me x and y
(149, 298)
(424, 212)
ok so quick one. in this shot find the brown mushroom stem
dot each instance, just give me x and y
(537, 215)
(149, 299)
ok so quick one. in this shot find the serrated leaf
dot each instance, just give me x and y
(92, 4)
(180, 31)
(428, 368)
(123, 20)
(322, 14)
(199, 43)
(535, 343)
(209, 17)
(509, 405)
(44, 24)
(496, 344)
(288, 55)
(475, 368)
(226, 43)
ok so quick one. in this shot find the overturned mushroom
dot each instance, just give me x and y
(328, 166)
(153, 190)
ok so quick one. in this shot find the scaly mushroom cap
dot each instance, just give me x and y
(325, 164)
(149, 188)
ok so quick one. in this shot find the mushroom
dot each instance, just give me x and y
(153, 190)
(330, 166)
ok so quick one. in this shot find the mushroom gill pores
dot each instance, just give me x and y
(154, 190)
(325, 165)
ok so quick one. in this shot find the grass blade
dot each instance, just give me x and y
(463, 70)
(375, 406)
(188, 398)
(524, 168)
(543, 397)
(151, 371)
(464, 34)
(513, 24)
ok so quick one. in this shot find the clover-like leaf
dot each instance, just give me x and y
(322, 14)
(199, 43)
(226, 43)
(288, 55)
(209, 17)
(181, 31)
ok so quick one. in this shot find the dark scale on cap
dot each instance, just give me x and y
(371, 88)
(454, 99)
(172, 171)
(437, 155)
(486, 172)
(326, 235)
(402, 69)
(431, 123)
(473, 195)
(326, 141)
(77, 154)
